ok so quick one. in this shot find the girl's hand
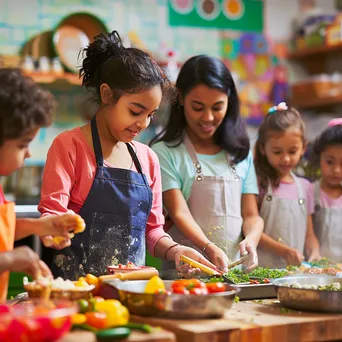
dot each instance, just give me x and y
(186, 270)
(292, 256)
(60, 225)
(24, 259)
(315, 256)
(49, 242)
(252, 260)
(312, 249)
(217, 257)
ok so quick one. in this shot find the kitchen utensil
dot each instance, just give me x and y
(238, 262)
(210, 271)
(73, 33)
(117, 269)
(20, 297)
(132, 295)
(143, 274)
(308, 299)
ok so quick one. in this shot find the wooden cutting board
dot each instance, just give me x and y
(87, 336)
(257, 322)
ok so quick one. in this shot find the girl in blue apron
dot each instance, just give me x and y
(209, 183)
(286, 203)
(327, 218)
(99, 172)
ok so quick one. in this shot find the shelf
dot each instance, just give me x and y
(315, 52)
(42, 78)
(312, 103)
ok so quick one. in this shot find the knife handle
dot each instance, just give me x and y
(197, 264)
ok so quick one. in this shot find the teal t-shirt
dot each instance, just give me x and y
(178, 171)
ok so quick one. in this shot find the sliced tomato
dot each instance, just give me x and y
(215, 287)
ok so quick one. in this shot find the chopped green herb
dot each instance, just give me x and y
(236, 299)
(285, 310)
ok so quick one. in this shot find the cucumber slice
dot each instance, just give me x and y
(112, 334)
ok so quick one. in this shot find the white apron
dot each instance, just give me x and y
(215, 204)
(328, 227)
(285, 222)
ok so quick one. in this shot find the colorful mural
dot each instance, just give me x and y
(238, 15)
(261, 79)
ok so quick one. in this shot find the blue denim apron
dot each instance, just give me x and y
(115, 212)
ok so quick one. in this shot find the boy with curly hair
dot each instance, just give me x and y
(24, 109)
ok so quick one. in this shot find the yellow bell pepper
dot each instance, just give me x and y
(78, 319)
(117, 314)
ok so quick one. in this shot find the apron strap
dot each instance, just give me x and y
(191, 150)
(96, 142)
(299, 186)
(134, 157)
(317, 193)
(193, 155)
(269, 189)
(301, 197)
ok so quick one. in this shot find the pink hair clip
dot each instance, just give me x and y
(335, 122)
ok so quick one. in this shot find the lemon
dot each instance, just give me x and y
(155, 285)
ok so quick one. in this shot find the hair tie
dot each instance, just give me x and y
(335, 122)
(280, 107)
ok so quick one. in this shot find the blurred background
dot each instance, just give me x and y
(277, 50)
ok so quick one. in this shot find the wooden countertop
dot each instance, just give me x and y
(87, 336)
(257, 322)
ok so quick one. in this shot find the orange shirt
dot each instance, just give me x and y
(7, 230)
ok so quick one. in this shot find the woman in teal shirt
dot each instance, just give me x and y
(209, 182)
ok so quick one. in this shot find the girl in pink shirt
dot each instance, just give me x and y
(327, 155)
(98, 172)
(285, 203)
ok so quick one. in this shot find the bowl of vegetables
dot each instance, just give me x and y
(37, 320)
(185, 298)
(310, 292)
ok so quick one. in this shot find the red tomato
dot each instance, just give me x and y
(97, 319)
(215, 287)
(180, 290)
(266, 281)
(186, 286)
(188, 283)
(199, 291)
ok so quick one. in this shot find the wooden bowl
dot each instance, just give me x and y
(35, 291)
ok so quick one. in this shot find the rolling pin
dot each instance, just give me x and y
(133, 275)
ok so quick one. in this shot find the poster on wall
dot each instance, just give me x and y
(261, 79)
(239, 15)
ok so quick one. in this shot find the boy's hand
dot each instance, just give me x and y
(24, 259)
(60, 225)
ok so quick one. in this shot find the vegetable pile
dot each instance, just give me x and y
(260, 275)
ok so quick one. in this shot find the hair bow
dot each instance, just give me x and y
(280, 106)
(335, 122)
